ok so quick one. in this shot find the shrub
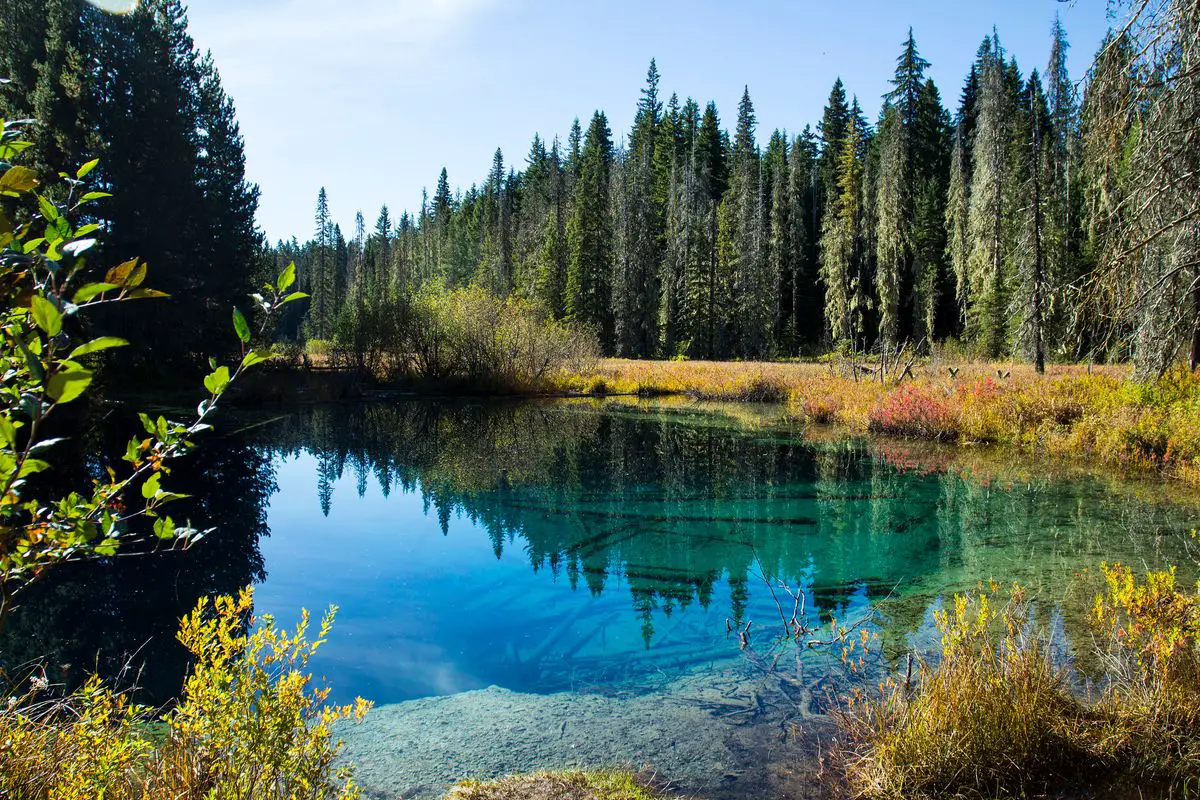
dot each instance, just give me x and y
(466, 337)
(909, 411)
(249, 725)
(994, 717)
(989, 717)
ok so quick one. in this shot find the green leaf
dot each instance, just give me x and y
(18, 180)
(217, 380)
(106, 547)
(287, 277)
(8, 432)
(32, 466)
(121, 272)
(145, 294)
(96, 345)
(164, 528)
(293, 296)
(151, 486)
(90, 196)
(90, 290)
(67, 384)
(257, 357)
(82, 172)
(240, 326)
(46, 315)
(49, 210)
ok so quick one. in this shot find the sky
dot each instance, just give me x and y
(371, 98)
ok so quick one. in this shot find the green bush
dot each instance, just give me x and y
(249, 724)
(461, 338)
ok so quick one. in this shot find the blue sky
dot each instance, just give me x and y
(370, 98)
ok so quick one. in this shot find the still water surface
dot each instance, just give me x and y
(540, 585)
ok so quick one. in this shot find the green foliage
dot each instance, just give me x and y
(249, 724)
(995, 717)
(47, 288)
(461, 337)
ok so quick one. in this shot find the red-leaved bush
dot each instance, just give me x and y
(909, 411)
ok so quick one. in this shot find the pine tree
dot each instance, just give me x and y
(637, 292)
(321, 281)
(806, 301)
(958, 240)
(892, 226)
(703, 321)
(1033, 284)
(841, 244)
(780, 251)
(552, 257)
(987, 282)
(754, 290)
(590, 236)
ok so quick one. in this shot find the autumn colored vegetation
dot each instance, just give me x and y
(1000, 715)
(1099, 414)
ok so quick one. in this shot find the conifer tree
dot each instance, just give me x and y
(841, 244)
(552, 257)
(991, 180)
(892, 226)
(1033, 284)
(637, 292)
(754, 289)
(802, 195)
(321, 281)
(590, 236)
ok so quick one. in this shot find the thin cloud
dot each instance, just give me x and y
(318, 42)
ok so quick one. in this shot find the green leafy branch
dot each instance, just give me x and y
(43, 256)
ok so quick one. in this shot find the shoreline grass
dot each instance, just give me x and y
(998, 716)
(1099, 414)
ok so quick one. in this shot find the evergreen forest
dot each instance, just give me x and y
(1014, 218)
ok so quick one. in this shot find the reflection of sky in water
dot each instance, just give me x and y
(422, 613)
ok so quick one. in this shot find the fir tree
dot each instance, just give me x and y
(590, 236)
(841, 244)
(892, 225)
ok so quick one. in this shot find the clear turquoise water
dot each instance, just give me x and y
(548, 584)
(564, 547)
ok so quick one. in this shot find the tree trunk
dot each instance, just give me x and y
(1195, 355)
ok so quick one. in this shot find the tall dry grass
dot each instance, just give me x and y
(997, 716)
(1070, 411)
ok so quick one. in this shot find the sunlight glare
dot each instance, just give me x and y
(115, 6)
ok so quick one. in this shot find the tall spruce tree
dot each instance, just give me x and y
(636, 293)
(841, 244)
(590, 236)
(991, 181)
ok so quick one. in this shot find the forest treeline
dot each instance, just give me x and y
(1044, 216)
(135, 92)
(1019, 224)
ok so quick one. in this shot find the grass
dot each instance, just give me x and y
(1099, 414)
(567, 785)
(997, 717)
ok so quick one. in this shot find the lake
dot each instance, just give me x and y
(546, 584)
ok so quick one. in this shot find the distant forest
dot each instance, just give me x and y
(1047, 216)
(1003, 225)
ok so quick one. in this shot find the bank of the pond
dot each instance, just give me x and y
(1098, 414)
